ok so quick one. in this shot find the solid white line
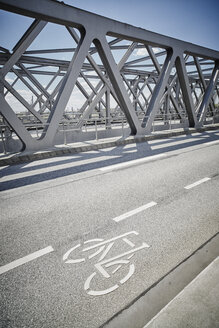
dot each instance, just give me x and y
(25, 259)
(134, 162)
(197, 183)
(133, 212)
(211, 143)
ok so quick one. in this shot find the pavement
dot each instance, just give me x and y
(157, 200)
(188, 296)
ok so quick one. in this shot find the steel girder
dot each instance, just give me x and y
(155, 75)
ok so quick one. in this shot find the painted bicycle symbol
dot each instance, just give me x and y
(105, 267)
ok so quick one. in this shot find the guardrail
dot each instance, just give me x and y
(166, 121)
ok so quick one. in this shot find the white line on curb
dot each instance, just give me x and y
(26, 259)
(135, 211)
(197, 183)
(134, 162)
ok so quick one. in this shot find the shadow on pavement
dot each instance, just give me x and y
(117, 155)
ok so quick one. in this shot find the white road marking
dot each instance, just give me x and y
(59, 166)
(211, 143)
(109, 240)
(144, 245)
(133, 212)
(116, 269)
(66, 255)
(129, 242)
(130, 163)
(151, 158)
(130, 273)
(87, 282)
(197, 183)
(97, 252)
(106, 251)
(92, 240)
(98, 292)
(26, 259)
(172, 143)
(103, 263)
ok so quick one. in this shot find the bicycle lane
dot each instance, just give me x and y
(53, 291)
(57, 289)
(50, 292)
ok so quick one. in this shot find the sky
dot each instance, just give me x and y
(194, 21)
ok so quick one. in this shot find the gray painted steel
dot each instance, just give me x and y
(173, 79)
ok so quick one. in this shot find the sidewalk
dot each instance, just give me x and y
(196, 306)
(26, 156)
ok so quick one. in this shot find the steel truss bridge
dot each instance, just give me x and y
(113, 70)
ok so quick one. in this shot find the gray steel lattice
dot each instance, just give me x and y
(172, 77)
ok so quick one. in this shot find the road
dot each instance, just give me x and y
(83, 235)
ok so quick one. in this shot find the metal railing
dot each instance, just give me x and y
(96, 124)
(165, 121)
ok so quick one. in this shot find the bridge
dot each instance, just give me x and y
(109, 213)
(117, 75)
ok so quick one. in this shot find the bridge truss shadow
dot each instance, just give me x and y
(53, 168)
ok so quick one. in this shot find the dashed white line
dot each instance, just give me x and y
(134, 162)
(133, 212)
(124, 216)
(197, 183)
(26, 259)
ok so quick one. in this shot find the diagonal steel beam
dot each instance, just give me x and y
(14, 82)
(186, 91)
(50, 101)
(116, 80)
(158, 91)
(23, 101)
(40, 98)
(37, 84)
(198, 66)
(65, 90)
(158, 68)
(35, 28)
(14, 121)
(25, 82)
(91, 96)
(153, 58)
(97, 69)
(171, 86)
(141, 93)
(67, 86)
(93, 64)
(208, 94)
(91, 107)
(132, 91)
(86, 79)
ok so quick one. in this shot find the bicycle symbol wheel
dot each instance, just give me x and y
(97, 282)
(87, 284)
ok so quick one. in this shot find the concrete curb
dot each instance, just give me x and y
(195, 305)
(23, 157)
(149, 303)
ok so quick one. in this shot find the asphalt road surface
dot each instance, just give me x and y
(83, 235)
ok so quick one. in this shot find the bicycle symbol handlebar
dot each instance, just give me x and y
(103, 263)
